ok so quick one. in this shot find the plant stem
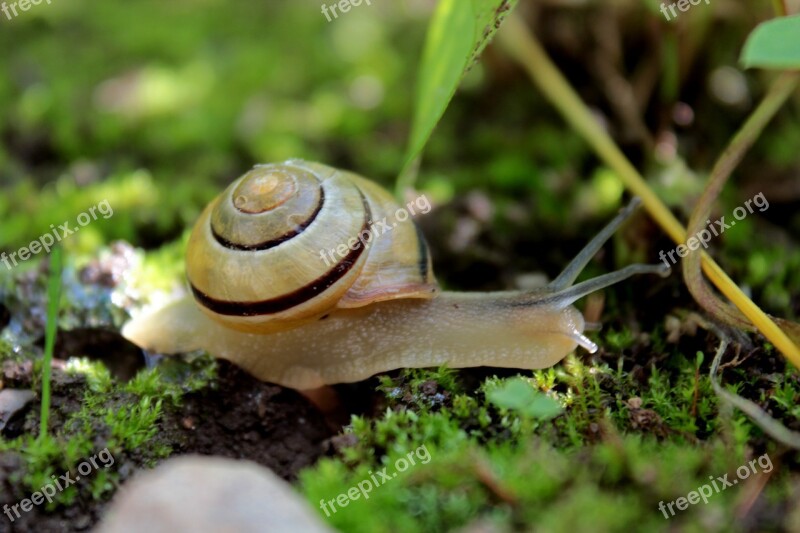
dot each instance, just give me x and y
(780, 8)
(525, 49)
(776, 96)
(53, 300)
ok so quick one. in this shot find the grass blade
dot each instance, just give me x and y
(457, 34)
(53, 300)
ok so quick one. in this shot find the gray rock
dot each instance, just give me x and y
(209, 494)
(13, 401)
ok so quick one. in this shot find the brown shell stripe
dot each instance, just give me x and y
(422, 250)
(294, 298)
(272, 242)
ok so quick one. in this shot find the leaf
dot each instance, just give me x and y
(458, 33)
(773, 44)
(518, 395)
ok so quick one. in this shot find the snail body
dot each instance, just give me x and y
(262, 297)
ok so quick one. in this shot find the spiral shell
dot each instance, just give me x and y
(254, 257)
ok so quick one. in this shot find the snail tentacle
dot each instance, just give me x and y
(570, 295)
(571, 272)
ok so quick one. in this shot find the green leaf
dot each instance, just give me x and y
(458, 33)
(773, 44)
(518, 395)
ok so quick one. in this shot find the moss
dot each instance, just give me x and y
(614, 485)
(133, 203)
(601, 458)
(162, 269)
(120, 417)
(619, 340)
(7, 352)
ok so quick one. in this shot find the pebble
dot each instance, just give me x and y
(205, 494)
(13, 401)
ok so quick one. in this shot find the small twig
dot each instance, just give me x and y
(752, 491)
(736, 361)
(485, 475)
(696, 391)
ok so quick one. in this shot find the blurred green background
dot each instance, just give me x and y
(156, 106)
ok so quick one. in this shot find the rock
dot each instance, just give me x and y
(13, 403)
(15, 373)
(209, 494)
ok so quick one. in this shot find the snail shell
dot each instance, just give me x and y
(253, 260)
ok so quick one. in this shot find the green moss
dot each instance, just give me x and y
(162, 269)
(135, 204)
(130, 411)
(619, 340)
(612, 486)
(122, 417)
(7, 351)
(615, 449)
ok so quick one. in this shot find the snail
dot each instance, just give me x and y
(262, 297)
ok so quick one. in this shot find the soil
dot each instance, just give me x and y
(244, 418)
